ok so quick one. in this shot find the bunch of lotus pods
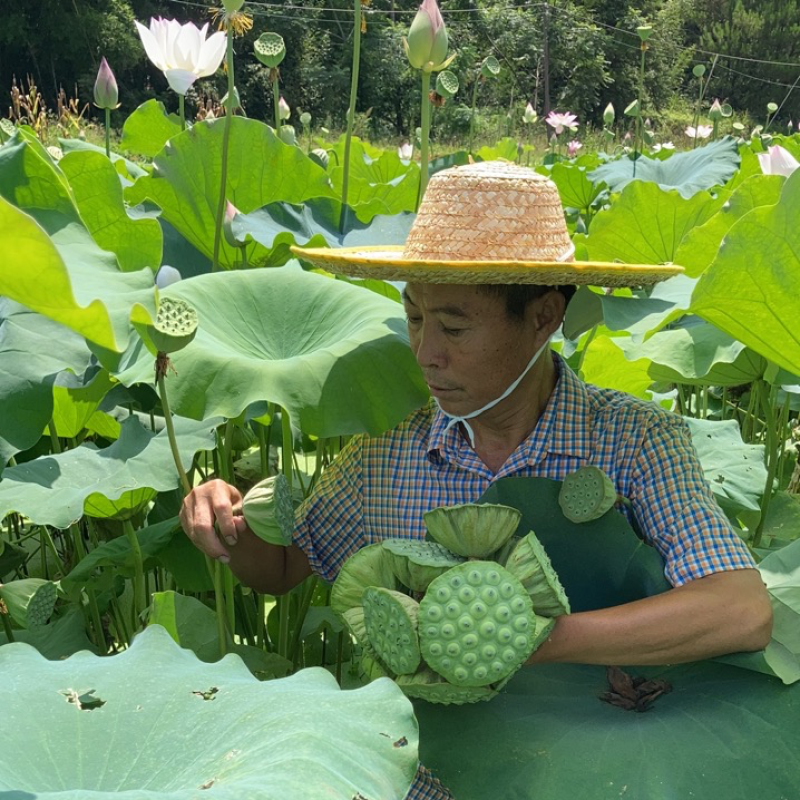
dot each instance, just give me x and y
(486, 602)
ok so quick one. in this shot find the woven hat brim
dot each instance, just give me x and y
(388, 264)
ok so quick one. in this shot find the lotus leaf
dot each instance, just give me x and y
(154, 721)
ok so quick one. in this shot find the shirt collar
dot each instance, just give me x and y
(563, 428)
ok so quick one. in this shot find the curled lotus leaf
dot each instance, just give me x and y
(428, 685)
(390, 618)
(530, 564)
(472, 530)
(416, 563)
(476, 624)
(368, 566)
(586, 494)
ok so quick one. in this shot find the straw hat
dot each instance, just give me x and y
(491, 222)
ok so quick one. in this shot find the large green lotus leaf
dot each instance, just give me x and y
(701, 244)
(548, 736)
(261, 169)
(172, 726)
(614, 566)
(127, 169)
(68, 279)
(148, 129)
(98, 194)
(505, 149)
(647, 224)
(734, 470)
(335, 356)
(574, 187)
(52, 490)
(58, 639)
(29, 365)
(278, 226)
(605, 365)
(697, 355)
(750, 290)
(689, 172)
(75, 399)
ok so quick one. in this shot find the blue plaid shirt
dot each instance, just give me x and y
(380, 487)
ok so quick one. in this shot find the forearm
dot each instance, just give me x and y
(722, 613)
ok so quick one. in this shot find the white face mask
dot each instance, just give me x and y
(455, 420)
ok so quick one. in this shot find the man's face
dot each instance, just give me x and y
(469, 348)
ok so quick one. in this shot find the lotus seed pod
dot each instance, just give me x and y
(645, 32)
(287, 134)
(270, 49)
(305, 119)
(446, 83)
(368, 566)
(472, 530)
(586, 494)
(632, 109)
(490, 67)
(371, 667)
(530, 564)
(416, 563)
(541, 631)
(175, 325)
(269, 511)
(353, 619)
(429, 686)
(476, 624)
(390, 618)
(242, 438)
(29, 601)
(698, 70)
(321, 157)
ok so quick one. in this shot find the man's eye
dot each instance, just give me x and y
(413, 320)
(453, 331)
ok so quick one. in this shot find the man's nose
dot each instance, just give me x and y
(427, 347)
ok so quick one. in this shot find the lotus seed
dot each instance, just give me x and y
(448, 631)
(489, 594)
(466, 594)
(453, 649)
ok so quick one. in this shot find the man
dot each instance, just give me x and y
(486, 265)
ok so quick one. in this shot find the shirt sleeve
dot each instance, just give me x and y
(329, 526)
(676, 509)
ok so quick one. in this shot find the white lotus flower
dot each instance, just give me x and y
(777, 161)
(182, 52)
(701, 132)
(405, 151)
(529, 116)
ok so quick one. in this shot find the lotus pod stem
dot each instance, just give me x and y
(476, 624)
(586, 494)
(30, 601)
(390, 618)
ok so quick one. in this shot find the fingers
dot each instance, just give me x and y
(213, 502)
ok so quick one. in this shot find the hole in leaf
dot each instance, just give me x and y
(208, 694)
(84, 699)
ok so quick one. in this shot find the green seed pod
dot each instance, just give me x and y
(490, 67)
(472, 530)
(429, 686)
(390, 618)
(287, 134)
(698, 70)
(446, 84)
(530, 564)
(476, 624)
(368, 566)
(321, 157)
(270, 49)
(269, 511)
(175, 325)
(29, 601)
(632, 109)
(645, 32)
(586, 494)
(416, 563)
(305, 119)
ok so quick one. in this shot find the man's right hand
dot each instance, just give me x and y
(213, 503)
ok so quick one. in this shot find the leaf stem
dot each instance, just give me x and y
(138, 571)
(226, 135)
(351, 111)
(108, 133)
(425, 115)
(182, 110)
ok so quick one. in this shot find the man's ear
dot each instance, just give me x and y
(549, 310)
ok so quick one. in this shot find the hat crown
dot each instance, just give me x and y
(489, 211)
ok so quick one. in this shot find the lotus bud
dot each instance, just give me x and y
(269, 512)
(715, 112)
(175, 325)
(405, 151)
(426, 46)
(529, 116)
(106, 93)
(270, 49)
(573, 147)
(227, 225)
(166, 276)
(609, 115)
(232, 5)
(283, 109)
(287, 135)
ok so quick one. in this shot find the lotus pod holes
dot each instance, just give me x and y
(270, 49)
(390, 618)
(530, 564)
(490, 67)
(476, 624)
(175, 325)
(586, 494)
(447, 84)
(269, 511)
(416, 563)
(472, 530)
(29, 601)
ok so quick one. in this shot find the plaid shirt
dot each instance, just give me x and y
(380, 487)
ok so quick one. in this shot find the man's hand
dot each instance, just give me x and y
(726, 612)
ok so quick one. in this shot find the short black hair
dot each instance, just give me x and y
(518, 295)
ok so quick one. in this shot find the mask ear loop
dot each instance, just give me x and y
(470, 433)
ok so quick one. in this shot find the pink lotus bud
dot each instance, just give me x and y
(573, 147)
(227, 225)
(427, 37)
(405, 151)
(283, 109)
(777, 161)
(106, 94)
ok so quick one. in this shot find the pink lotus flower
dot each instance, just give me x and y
(700, 132)
(573, 147)
(777, 161)
(561, 121)
(106, 94)
(427, 37)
